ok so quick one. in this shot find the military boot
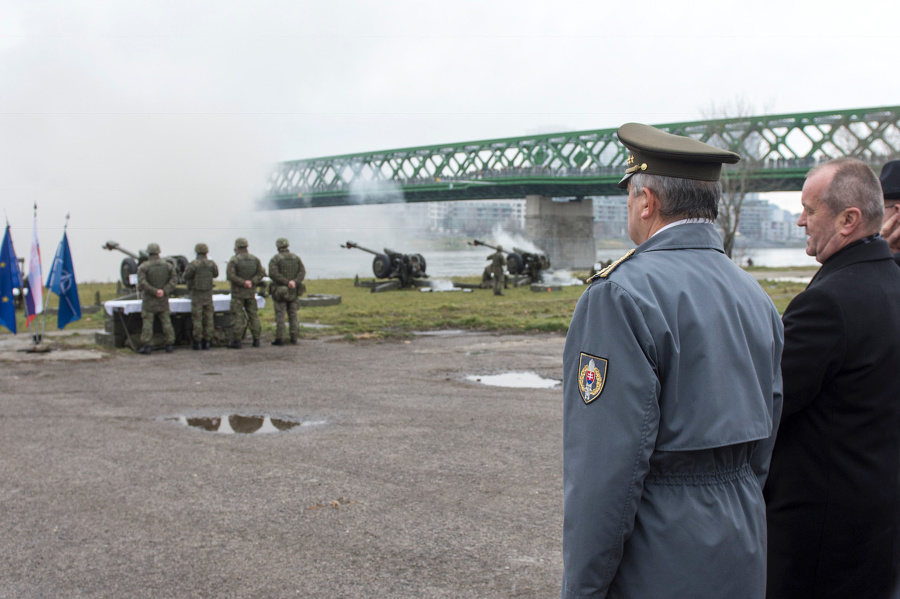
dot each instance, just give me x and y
(195, 345)
(293, 340)
(256, 342)
(169, 349)
(204, 344)
(278, 342)
(234, 345)
(144, 350)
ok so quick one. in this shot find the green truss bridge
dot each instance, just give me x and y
(778, 151)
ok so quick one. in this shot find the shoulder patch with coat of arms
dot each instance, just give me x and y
(591, 376)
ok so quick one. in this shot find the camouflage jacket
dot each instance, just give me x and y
(158, 279)
(198, 275)
(498, 261)
(282, 266)
(244, 266)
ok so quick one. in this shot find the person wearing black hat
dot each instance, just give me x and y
(832, 494)
(890, 184)
(672, 396)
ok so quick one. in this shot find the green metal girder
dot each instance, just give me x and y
(577, 163)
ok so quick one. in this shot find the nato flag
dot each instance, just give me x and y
(9, 280)
(62, 282)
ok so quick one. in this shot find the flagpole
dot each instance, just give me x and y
(47, 299)
(35, 336)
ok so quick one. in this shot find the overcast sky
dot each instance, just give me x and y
(157, 120)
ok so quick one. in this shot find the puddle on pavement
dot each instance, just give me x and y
(440, 333)
(231, 424)
(519, 380)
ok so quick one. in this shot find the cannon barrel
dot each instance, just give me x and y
(350, 245)
(129, 265)
(114, 245)
(476, 242)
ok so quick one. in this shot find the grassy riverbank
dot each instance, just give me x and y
(362, 314)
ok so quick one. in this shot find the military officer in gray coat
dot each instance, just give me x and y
(672, 396)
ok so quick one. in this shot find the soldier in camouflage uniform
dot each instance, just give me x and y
(245, 272)
(200, 275)
(498, 263)
(156, 282)
(287, 273)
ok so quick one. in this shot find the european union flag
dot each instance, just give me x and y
(9, 280)
(62, 282)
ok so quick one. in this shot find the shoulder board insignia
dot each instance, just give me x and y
(605, 272)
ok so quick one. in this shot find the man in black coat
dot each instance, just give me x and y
(832, 493)
(890, 184)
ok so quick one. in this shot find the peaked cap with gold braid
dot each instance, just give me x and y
(656, 152)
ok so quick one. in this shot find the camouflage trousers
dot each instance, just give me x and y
(498, 281)
(291, 309)
(202, 318)
(240, 306)
(165, 321)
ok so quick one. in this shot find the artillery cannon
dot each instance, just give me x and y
(130, 264)
(525, 266)
(404, 268)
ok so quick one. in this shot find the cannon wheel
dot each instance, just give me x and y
(181, 263)
(514, 263)
(381, 266)
(421, 263)
(128, 268)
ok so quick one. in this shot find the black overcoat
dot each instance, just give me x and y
(832, 492)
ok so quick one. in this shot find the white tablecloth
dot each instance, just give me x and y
(221, 303)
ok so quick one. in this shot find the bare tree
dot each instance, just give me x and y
(737, 179)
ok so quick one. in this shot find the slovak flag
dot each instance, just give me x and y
(34, 300)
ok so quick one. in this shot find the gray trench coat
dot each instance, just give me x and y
(672, 396)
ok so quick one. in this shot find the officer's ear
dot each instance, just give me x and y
(650, 203)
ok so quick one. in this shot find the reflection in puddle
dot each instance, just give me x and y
(231, 424)
(528, 380)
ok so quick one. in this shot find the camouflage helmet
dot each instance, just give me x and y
(201, 248)
(153, 248)
(241, 242)
(282, 243)
(499, 248)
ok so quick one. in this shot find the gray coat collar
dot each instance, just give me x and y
(693, 236)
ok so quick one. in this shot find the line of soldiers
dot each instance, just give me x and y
(244, 272)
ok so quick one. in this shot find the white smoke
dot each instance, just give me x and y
(563, 278)
(375, 192)
(442, 285)
(511, 240)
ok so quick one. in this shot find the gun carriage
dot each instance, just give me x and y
(403, 270)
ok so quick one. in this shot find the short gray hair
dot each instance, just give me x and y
(854, 185)
(682, 198)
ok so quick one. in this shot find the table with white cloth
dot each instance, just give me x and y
(122, 319)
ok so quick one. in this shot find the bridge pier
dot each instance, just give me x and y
(564, 230)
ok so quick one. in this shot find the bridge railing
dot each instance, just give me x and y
(782, 147)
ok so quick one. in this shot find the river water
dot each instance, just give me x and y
(456, 263)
